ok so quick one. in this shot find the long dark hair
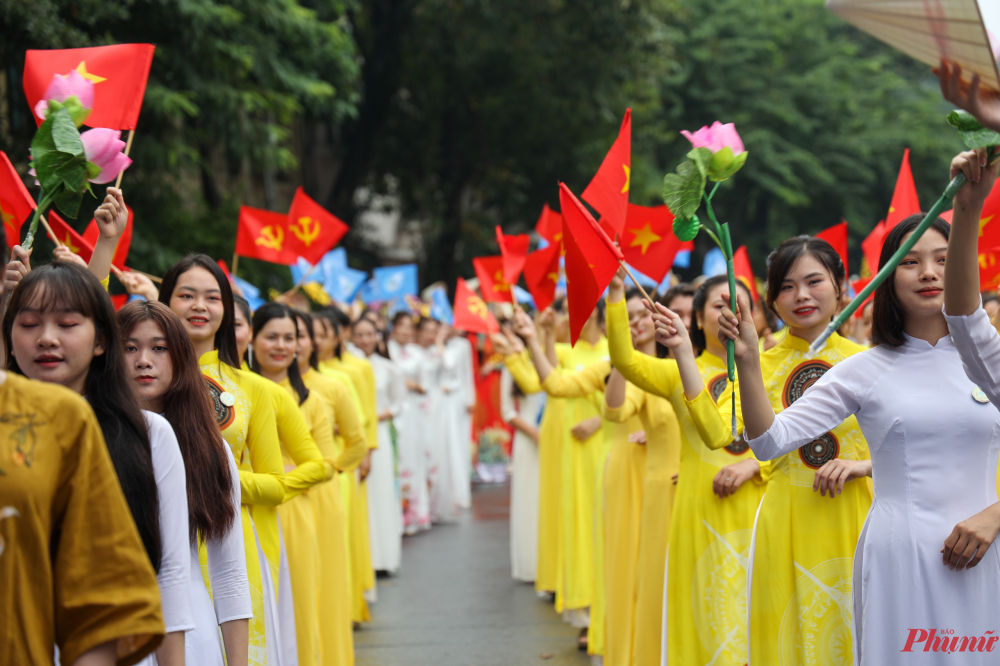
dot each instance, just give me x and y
(307, 319)
(225, 337)
(264, 314)
(701, 302)
(328, 315)
(66, 286)
(186, 406)
(244, 307)
(887, 314)
(783, 257)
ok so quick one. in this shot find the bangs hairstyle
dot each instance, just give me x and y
(225, 337)
(186, 405)
(307, 319)
(65, 287)
(887, 314)
(701, 302)
(261, 317)
(783, 257)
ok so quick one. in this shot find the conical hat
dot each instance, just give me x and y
(928, 30)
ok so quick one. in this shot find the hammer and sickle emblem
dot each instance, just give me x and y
(477, 307)
(498, 282)
(306, 229)
(271, 237)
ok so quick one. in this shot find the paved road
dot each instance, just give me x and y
(453, 603)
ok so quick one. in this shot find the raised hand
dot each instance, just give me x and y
(523, 325)
(980, 177)
(738, 327)
(983, 104)
(670, 329)
(63, 253)
(516, 343)
(137, 283)
(501, 344)
(546, 319)
(616, 290)
(112, 215)
(17, 268)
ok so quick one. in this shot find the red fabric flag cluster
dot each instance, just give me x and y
(471, 313)
(514, 252)
(989, 242)
(541, 274)
(904, 198)
(549, 225)
(308, 230)
(871, 246)
(119, 73)
(93, 232)
(648, 241)
(16, 205)
(608, 190)
(743, 271)
(591, 260)
(493, 287)
(837, 237)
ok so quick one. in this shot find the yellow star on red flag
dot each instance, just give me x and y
(628, 178)
(644, 237)
(94, 78)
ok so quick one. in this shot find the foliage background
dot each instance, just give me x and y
(467, 113)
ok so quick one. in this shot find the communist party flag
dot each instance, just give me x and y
(67, 236)
(989, 269)
(312, 230)
(263, 234)
(541, 273)
(872, 246)
(743, 271)
(904, 198)
(549, 225)
(837, 237)
(471, 313)
(989, 242)
(16, 205)
(489, 270)
(648, 241)
(591, 260)
(93, 232)
(608, 190)
(119, 73)
(513, 252)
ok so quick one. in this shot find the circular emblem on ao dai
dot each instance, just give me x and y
(820, 451)
(717, 384)
(802, 377)
(222, 403)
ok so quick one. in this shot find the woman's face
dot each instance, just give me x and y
(243, 331)
(149, 362)
(326, 340)
(919, 278)
(274, 345)
(807, 296)
(365, 337)
(640, 322)
(197, 300)
(562, 327)
(303, 344)
(683, 305)
(54, 346)
(402, 332)
(708, 319)
(427, 332)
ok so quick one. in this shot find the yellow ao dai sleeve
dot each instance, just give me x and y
(75, 572)
(803, 548)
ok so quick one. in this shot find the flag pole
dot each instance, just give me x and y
(128, 147)
(236, 262)
(48, 229)
(621, 262)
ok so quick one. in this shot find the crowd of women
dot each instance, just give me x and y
(187, 481)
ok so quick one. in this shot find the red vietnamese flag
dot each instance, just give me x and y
(263, 234)
(648, 242)
(494, 288)
(837, 237)
(119, 73)
(608, 191)
(471, 313)
(989, 269)
(67, 236)
(872, 246)
(743, 271)
(312, 230)
(93, 232)
(541, 274)
(989, 221)
(118, 301)
(514, 252)
(549, 225)
(16, 205)
(591, 260)
(904, 198)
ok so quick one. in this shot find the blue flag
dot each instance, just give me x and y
(440, 307)
(396, 281)
(299, 270)
(714, 264)
(368, 292)
(524, 296)
(250, 292)
(342, 284)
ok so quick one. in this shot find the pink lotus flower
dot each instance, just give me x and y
(103, 147)
(62, 88)
(728, 153)
(716, 137)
